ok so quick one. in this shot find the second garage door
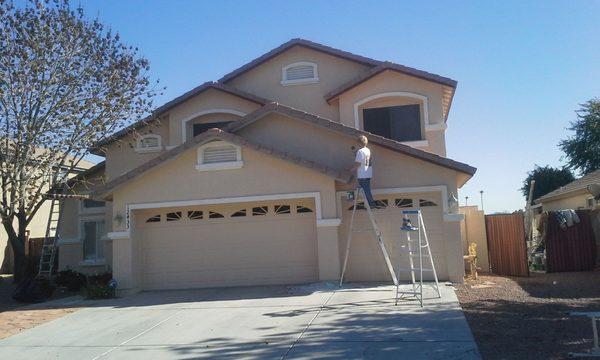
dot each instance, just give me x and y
(228, 245)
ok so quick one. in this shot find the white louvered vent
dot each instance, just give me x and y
(300, 72)
(219, 154)
(149, 143)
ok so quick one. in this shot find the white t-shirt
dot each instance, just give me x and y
(365, 170)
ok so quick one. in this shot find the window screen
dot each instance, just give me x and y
(92, 246)
(400, 123)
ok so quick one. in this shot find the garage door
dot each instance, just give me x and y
(228, 245)
(366, 262)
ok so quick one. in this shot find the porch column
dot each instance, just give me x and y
(328, 251)
(122, 263)
(454, 251)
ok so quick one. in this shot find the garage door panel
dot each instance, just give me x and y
(255, 250)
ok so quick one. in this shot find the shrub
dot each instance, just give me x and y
(70, 279)
(101, 286)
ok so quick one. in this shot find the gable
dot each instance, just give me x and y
(265, 79)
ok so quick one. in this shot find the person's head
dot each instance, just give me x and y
(362, 140)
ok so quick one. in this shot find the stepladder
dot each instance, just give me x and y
(420, 259)
(49, 247)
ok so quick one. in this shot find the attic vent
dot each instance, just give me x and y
(219, 154)
(299, 73)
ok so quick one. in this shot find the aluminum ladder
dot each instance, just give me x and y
(46, 265)
(376, 232)
(416, 249)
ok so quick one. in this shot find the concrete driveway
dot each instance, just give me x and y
(295, 322)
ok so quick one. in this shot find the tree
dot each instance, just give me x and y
(583, 148)
(65, 83)
(546, 179)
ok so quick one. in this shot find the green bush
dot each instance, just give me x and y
(101, 286)
(70, 279)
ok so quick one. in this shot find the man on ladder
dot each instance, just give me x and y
(363, 164)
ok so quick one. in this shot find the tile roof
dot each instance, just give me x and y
(383, 67)
(169, 105)
(350, 131)
(576, 185)
(338, 174)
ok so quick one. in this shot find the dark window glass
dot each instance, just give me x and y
(381, 203)
(155, 218)
(359, 206)
(214, 215)
(240, 213)
(200, 128)
(260, 210)
(195, 215)
(404, 203)
(426, 203)
(87, 203)
(400, 123)
(282, 209)
(302, 209)
(174, 216)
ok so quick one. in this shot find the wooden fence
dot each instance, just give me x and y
(506, 244)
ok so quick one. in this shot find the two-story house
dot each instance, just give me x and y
(243, 181)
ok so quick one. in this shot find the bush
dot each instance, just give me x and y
(70, 279)
(101, 286)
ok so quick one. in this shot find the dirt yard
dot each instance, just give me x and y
(16, 317)
(528, 318)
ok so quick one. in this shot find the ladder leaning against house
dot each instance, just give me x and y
(49, 247)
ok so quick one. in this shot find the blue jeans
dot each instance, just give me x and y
(365, 184)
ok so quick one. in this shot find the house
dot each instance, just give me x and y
(37, 226)
(244, 181)
(575, 195)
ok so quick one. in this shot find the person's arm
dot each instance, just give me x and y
(357, 161)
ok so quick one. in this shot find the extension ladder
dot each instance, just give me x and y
(49, 247)
(417, 252)
(376, 232)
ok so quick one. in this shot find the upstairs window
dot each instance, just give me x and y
(149, 143)
(198, 129)
(219, 155)
(400, 123)
(299, 73)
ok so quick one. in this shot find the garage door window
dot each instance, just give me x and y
(174, 216)
(425, 203)
(260, 210)
(282, 209)
(215, 215)
(303, 209)
(404, 203)
(153, 219)
(195, 215)
(239, 213)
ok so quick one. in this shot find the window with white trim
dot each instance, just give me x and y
(219, 155)
(91, 233)
(299, 73)
(149, 143)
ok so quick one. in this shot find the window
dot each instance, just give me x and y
(424, 203)
(303, 209)
(148, 143)
(299, 73)
(92, 232)
(359, 206)
(400, 123)
(282, 209)
(219, 155)
(260, 210)
(239, 213)
(198, 129)
(153, 219)
(404, 203)
(88, 203)
(195, 215)
(174, 216)
(215, 215)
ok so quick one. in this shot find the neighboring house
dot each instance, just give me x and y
(37, 226)
(574, 195)
(243, 181)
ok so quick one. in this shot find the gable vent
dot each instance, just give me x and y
(218, 154)
(300, 72)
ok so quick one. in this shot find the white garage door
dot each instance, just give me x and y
(366, 262)
(228, 245)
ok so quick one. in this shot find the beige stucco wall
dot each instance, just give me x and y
(265, 80)
(573, 202)
(207, 100)
(121, 155)
(392, 81)
(473, 231)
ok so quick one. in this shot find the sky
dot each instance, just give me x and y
(523, 67)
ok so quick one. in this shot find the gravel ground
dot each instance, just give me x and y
(528, 318)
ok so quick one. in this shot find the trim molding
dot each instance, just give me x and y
(205, 112)
(117, 235)
(417, 144)
(423, 98)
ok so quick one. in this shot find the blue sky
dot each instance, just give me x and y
(523, 67)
